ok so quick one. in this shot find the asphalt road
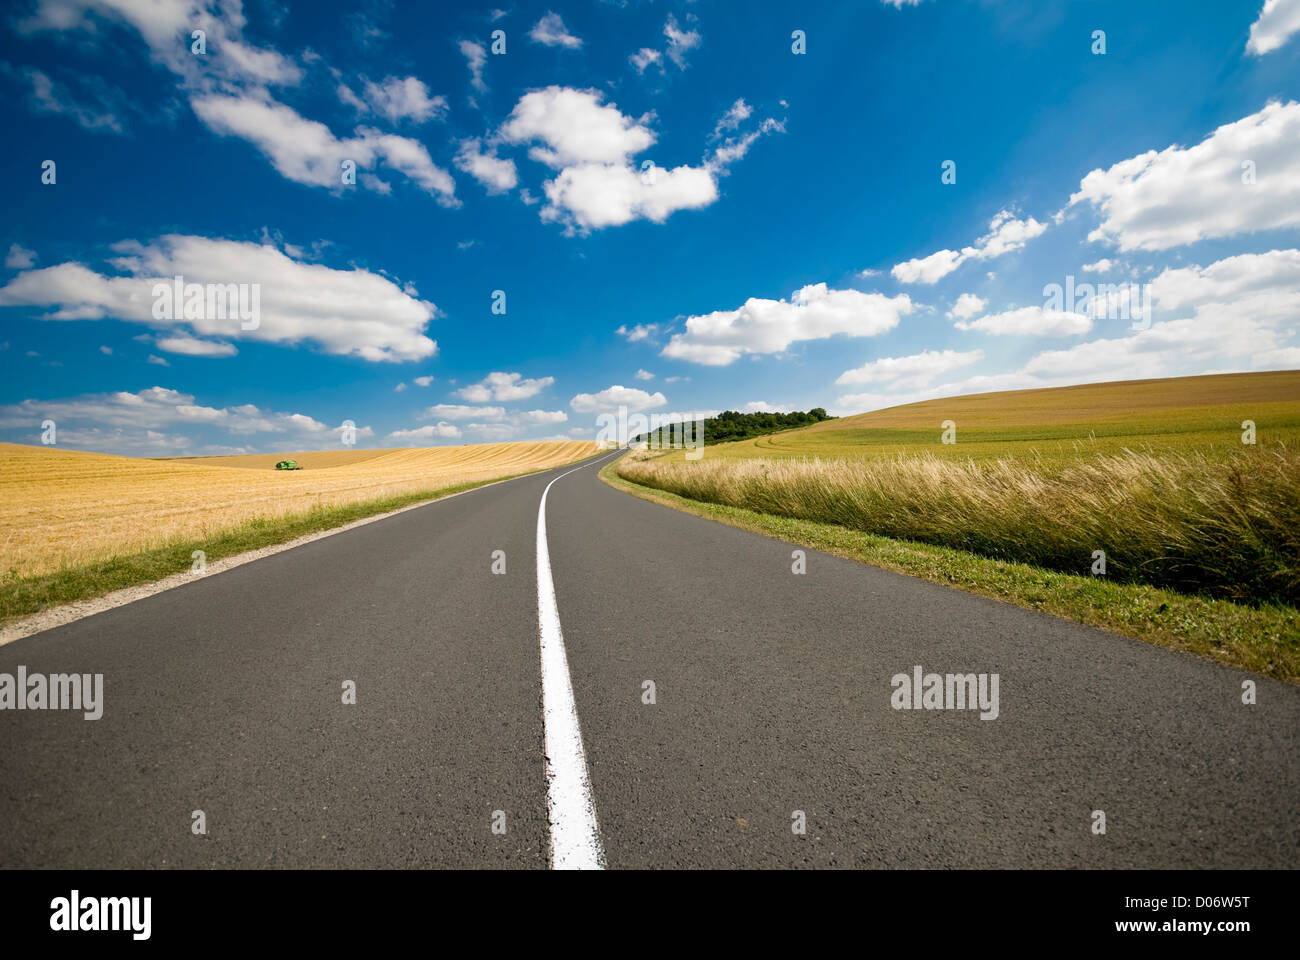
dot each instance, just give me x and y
(772, 694)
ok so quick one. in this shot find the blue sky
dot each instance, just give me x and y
(683, 213)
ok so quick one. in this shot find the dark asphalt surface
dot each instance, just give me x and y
(772, 695)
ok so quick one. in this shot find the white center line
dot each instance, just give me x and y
(575, 838)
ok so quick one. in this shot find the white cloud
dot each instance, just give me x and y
(593, 196)
(56, 98)
(736, 113)
(1247, 333)
(498, 175)
(734, 148)
(1278, 20)
(1006, 233)
(347, 312)
(770, 326)
(129, 419)
(423, 381)
(1157, 200)
(762, 406)
(19, 257)
(551, 31)
(1104, 265)
(644, 375)
(434, 431)
(918, 368)
(157, 360)
(641, 331)
(192, 347)
(454, 411)
(1248, 291)
(496, 432)
(646, 57)
(614, 397)
(163, 23)
(1031, 321)
(543, 416)
(967, 306)
(398, 99)
(504, 387)
(680, 41)
(106, 351)
(591, 144)
(475, 55)
(305, 151)
(575, 128)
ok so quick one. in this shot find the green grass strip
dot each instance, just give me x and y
(1263, 639)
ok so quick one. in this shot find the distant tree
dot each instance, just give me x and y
(733, 425)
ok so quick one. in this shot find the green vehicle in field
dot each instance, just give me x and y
(288, 465)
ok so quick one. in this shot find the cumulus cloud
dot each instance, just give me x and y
(1006, 233)
(192, 347)
(1176, 196)
(550, 31)
(1032, 321)
(737, 112)
(591, 144)
(640, 331)
(426, 435)
(574, 128)
(306, 151)
(611, 398)
(19, 257)
(347, 312)
(918, 368)
(646, 57)
(593, 196)
(644, 375)
(397, 99)
(92, 110)
(496, 174)
(454, 411)
(543, 416)
(967, 306)
(1278, 20)
(1256, 289)
(475, 55)
(814, 312)
(504, 387)
(680, 41)
(125, 422)
(1242, 316)
(162, 25)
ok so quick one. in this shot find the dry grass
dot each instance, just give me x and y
(308, 460)
(1228, 526)
(64, 508)
(1179, 414)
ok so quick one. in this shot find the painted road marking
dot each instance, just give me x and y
(575, 838)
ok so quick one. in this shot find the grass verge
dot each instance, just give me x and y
(20, 597)
(1263, 639)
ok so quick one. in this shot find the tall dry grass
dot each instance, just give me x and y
(1228, 527)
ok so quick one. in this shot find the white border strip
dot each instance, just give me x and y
(575, 839)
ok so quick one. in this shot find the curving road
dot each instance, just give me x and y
(772, 694)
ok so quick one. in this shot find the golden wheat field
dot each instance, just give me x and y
(63, 508)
